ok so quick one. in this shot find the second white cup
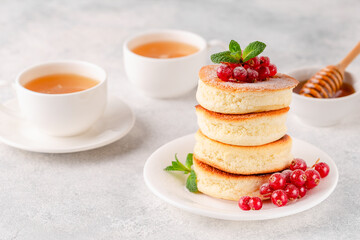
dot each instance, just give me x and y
(165, 78)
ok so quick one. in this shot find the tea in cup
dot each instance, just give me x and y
(62, 98)
(165, 49)
(165, 63)
(60, 83)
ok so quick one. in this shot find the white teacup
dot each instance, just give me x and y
(61, 114)
(165, 78)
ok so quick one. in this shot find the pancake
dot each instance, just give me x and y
(219, 184)
(250, 129)
(239, 98)
(271, 157)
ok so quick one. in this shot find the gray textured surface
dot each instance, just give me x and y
(100, 194)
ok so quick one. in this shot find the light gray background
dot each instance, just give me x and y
(100, 194)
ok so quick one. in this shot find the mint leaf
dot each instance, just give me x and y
(178, 163)
(177, 166)
(189, 160)
(171, 168)
(191, 184)
(224, 57)
(234, 47)
(252, 50)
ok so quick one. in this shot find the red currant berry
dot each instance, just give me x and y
(292, 192)
(264, 73)
(287, 173)
(255, 203)
(279, 198)
(232, 65)
(252, 75)
(264, 61)
(298, 177)
(224, 72)
(302, 191)
(277, 181)
(254, 63)
(312, 178)
(240, 74)
(265, 190)
(244, 203)
(246, 66)
(322, 168)
(273, 69)
(298, 163)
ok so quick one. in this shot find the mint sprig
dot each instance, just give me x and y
(176, 165)
(235, 55)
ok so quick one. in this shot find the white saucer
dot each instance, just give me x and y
(171, 186)
(116, 122)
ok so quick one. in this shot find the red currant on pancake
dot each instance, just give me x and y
(264, 73)
(255, 203)
(298, 163)
(273, 69)
(244, 203)
(279, 198)
(252, 75)
(312, 178)
(264, 61)
(224, 72)
(246, 66)
(240, 74)
(232, 65)
(277, 181)
(322, 168)
(298, 177)
(254, 63)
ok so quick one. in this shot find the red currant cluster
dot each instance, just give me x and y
(290, 184)
(293, 183)
(256, 69)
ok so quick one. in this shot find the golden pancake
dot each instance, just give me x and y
(219, 184)
(250, 129)
(239, 98)
(245, 160)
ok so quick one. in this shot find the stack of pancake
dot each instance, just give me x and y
(242, 137)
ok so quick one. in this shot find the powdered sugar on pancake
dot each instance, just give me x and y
(280, 81)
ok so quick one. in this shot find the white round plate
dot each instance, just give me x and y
(116, 122)
(170, 186)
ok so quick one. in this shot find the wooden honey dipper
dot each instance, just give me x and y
(326, 82)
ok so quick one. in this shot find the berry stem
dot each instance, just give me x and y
(317, 161)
